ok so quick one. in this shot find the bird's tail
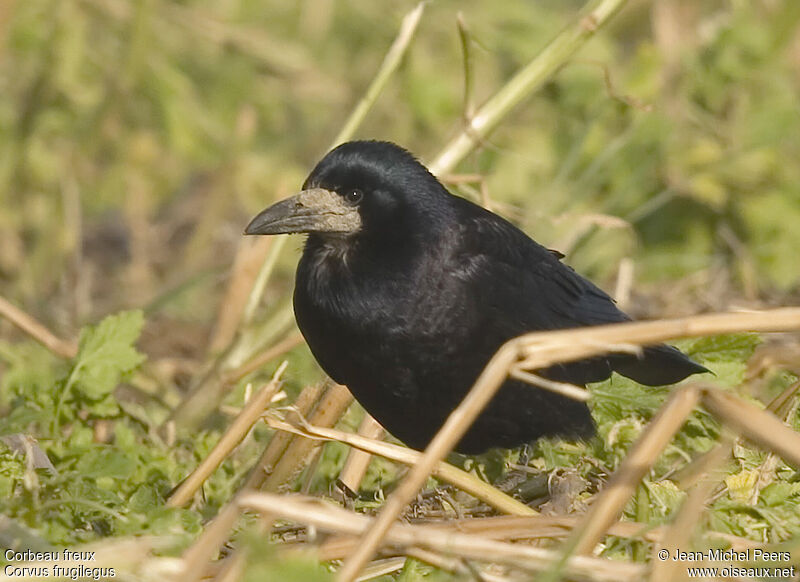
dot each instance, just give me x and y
(657, 366)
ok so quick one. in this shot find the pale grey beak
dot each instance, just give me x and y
(315, 210)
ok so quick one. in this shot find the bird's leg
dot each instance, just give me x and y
(524, 482)
(446, 499)
(343, 493)
(525, 454)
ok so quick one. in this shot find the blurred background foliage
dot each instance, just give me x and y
(138, 137)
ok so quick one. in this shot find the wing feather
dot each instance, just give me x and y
(526, 287)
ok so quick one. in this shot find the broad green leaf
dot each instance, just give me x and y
(780, 493)
(730, 347)
(107, 462)
(665, 497)
(105, 354)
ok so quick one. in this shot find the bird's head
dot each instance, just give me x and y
(360, 188)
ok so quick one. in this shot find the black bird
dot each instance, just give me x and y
(405, 291)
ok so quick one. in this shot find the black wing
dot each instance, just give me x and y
(525, 288)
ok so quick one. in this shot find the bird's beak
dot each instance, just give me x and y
(315, 210)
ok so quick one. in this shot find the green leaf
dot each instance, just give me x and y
(665, 497)
(264, 564)
(779, 493)
(729, 347)
(12, 470)
(106, 354)
(107, 406)
(107, 462)
(144, 499)
(620, 397)
(30, 370)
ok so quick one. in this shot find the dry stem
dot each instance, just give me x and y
(610, 502)
(357, 463)
(444, 471)
(238, 429)
(330, 518)
(60, 347)
(390, 63)
(328, 411)
(195, 559)
(594, 15)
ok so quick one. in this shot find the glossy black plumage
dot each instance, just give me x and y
(405, 291)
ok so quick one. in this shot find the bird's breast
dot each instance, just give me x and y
(340, 306)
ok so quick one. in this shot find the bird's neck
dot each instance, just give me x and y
(377, 253)
(330, 249)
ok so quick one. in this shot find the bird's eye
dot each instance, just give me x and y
(353, 196)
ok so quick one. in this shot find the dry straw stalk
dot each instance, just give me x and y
(327, 517)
